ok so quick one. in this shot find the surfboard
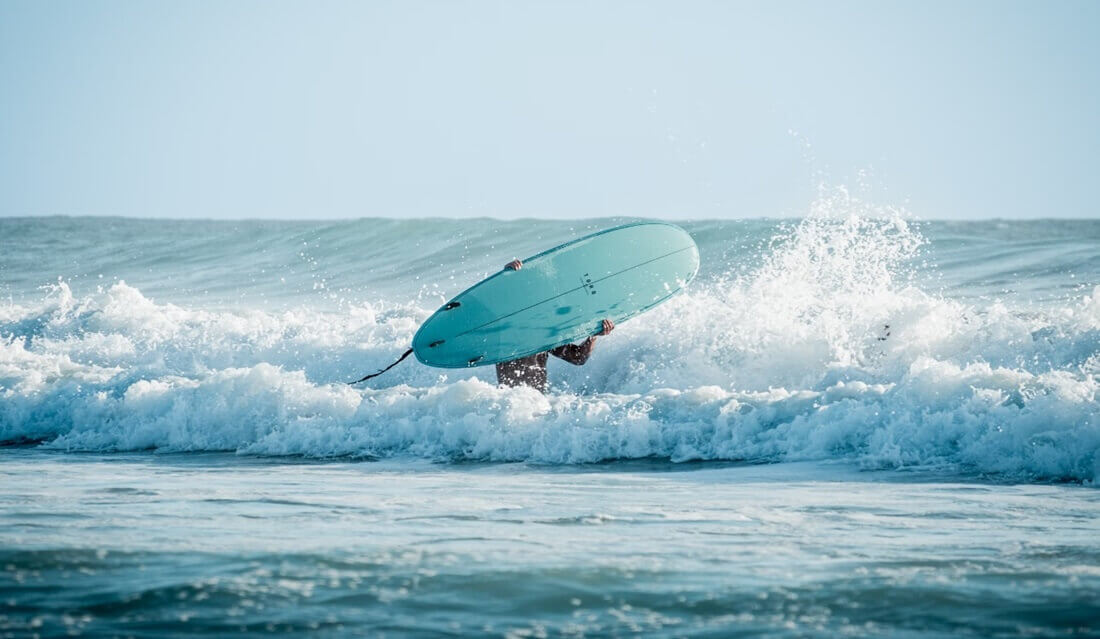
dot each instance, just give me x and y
(560, 296)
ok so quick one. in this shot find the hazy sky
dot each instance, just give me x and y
(548, 109)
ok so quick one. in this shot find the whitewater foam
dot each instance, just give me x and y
(829, 348)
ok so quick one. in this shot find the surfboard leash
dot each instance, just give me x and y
(399, 360)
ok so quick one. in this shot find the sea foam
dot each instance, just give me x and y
(828, 347)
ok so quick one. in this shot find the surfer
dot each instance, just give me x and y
(531, 370)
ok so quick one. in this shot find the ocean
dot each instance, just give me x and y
(855, 423)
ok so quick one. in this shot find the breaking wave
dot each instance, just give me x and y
(826, 345)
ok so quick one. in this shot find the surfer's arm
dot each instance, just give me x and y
(575, 353)
(579, 353)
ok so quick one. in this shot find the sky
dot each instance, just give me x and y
(676, 110)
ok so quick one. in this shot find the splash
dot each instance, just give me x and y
(822, 344)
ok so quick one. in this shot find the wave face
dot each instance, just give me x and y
(852, 334)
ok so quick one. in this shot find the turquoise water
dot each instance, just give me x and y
(850, 424)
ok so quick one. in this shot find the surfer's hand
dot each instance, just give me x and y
(606, 327)
(514, 265)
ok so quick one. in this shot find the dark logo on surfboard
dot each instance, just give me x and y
(586, 282)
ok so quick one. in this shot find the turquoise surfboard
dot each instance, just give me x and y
(560, 296)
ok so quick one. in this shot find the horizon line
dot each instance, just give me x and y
(909, 218)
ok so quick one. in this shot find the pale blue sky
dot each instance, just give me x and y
(546, 109)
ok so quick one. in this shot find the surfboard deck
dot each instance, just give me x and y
(560, 296)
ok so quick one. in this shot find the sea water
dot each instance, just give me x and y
(850, 424)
